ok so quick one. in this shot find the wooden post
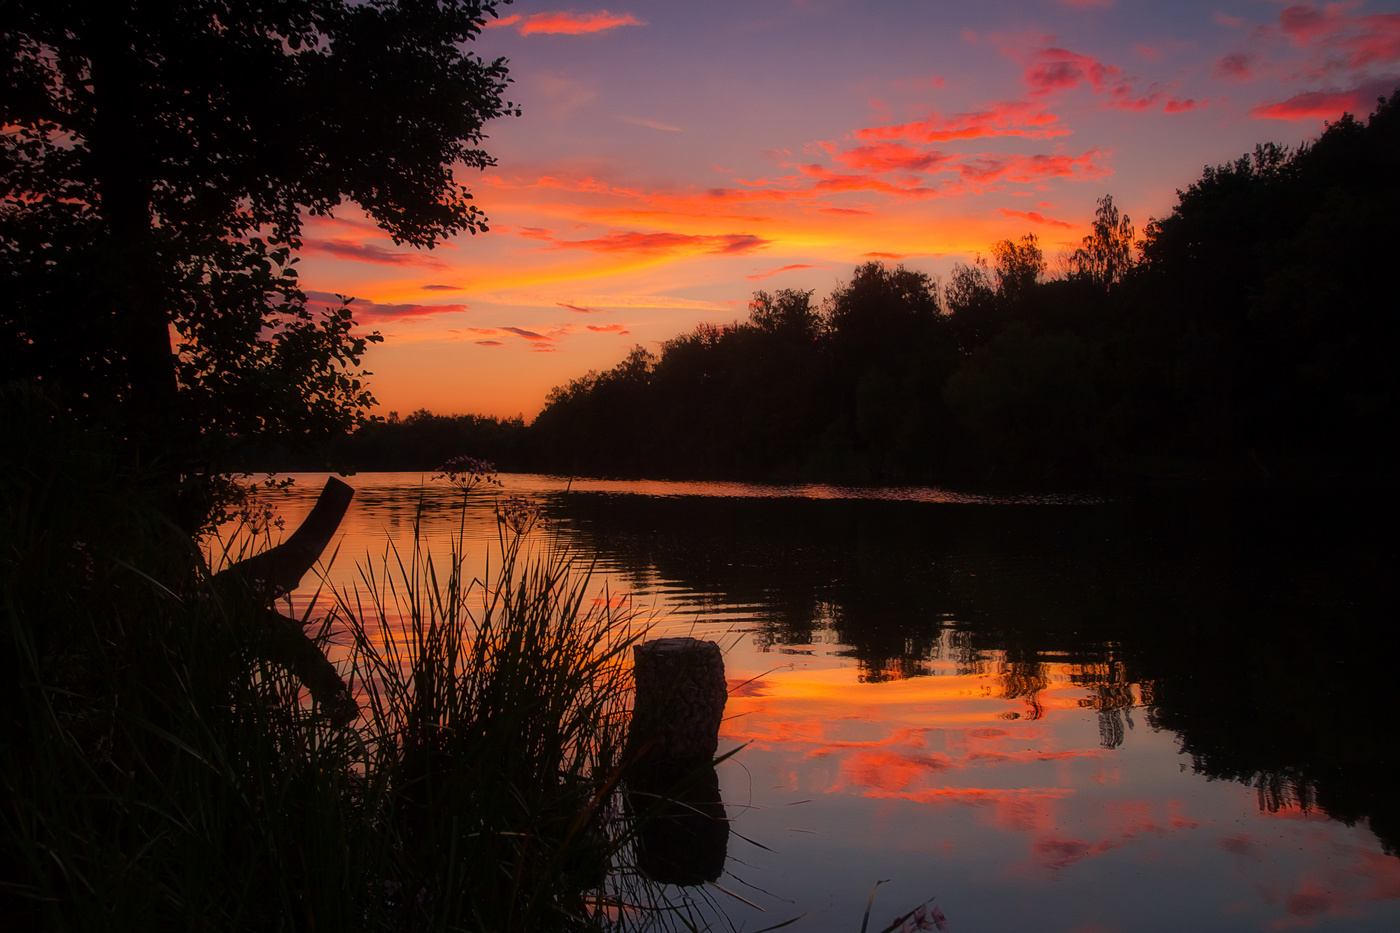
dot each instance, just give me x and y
(673, 789)
(680, 701)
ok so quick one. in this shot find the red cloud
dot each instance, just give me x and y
(1036, 217)
(985, 170)
(829, 181)
(366, 311)
(569, 23)
(1323, 104)
(794, 266)
(1059, 69)
(1364, 40)
(608, 328)
(886, 157)
(1181, 106)
(634, 242)
(1239, 65)
(1005, 118)
(368, 252)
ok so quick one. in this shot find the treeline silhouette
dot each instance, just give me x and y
(1249, 332)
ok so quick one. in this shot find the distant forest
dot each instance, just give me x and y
(1251, 332)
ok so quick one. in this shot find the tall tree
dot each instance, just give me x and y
(157, 160)
(1107, 252)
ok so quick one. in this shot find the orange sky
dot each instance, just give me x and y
(674, 158)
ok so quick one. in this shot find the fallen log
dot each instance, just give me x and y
(275, 573)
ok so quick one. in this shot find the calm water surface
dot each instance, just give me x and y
(1153, 712)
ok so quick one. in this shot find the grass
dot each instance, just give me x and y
(159, 774)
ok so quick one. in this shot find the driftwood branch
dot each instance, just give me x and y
(276, 572)
(280, 569)
(284, 642)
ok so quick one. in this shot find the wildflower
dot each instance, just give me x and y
(519, 515)
(466, 473)
(258, 516)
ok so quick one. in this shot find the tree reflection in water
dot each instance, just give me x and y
(1255, 624)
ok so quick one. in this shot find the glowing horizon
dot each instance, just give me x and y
(671, 161)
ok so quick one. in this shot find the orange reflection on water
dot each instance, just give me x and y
(908, 738)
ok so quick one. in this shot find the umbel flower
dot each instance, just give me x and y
(466, 473)
(519, 515)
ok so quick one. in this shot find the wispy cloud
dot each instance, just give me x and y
(1036, 217)
(1004, 118)
(579, 309)
(369, 252)
(367, 312)
(566, 22)
(651, 124)
(636, 242)
(1325, 104)
(772, 272)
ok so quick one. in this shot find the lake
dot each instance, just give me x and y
(1161, 710)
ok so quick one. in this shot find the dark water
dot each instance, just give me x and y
(1156, 710)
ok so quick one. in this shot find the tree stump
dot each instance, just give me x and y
(680, 701)
(673, 789)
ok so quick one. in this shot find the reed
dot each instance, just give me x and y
(158, 774)
(495, 718)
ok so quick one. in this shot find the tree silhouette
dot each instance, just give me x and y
(1106, 253)
(157, 162)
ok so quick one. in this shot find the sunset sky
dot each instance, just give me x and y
(673, 158)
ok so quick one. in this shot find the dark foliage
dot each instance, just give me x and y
(156, 164)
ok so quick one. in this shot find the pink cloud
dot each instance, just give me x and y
(1089, 4)
(772, 272)
(1181, 106)
(1324, 104)
(889, 156)
(1020, 168)
(503, 21)
(1004, 118)
(828, 181)
(1363, 40)
(1223, 19)
(635, 242)
(1238, 65)
(608, 328)
(368, 252)
(1060, 69)
(1036, 217)
(569, 23)
(366, 311)
(1148, 52)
